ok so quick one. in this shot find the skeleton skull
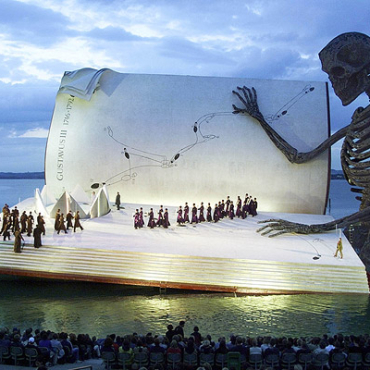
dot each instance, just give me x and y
(346, 59)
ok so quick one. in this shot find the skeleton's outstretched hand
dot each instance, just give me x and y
(277, 227)
(249, 99)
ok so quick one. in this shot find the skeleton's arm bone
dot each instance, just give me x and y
(249, 100)
(275, 227)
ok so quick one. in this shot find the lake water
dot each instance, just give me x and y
(100, 309)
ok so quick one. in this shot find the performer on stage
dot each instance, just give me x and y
(238, 207)
(339, 248)
(41, 223)
(23, 222)
(137, 219)
(209, 212)
(245, 210)
(29, 224)
(62, 226)
(231, 213)
(180, 220)
(216, 213)
(186, 212)
(69, 219)
(37, 236)
(253, 207)
(166, 221)
(18, 238)
(141, 217)
(227, 206)
(201, 213)
(77, 222)
(151, 222)
(118, 201)
(160, 217)
(194, 218)
(56, 222)
(219, 210)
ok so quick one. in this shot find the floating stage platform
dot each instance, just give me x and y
(228, 256)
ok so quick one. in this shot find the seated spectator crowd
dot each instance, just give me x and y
(173, 350)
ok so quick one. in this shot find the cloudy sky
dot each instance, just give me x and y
(269, 39)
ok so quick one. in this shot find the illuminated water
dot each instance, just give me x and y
(100, 309)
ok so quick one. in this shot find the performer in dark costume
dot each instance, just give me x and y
(62, 225)
(201, 213)
(245, 210)
(222, 209)
(219, 211)
(69, 219)
(194, 218)
(16, 211)
(231, 213)
(137, 219)
(209, 212)
(180, 220)
(238, 207)
(253, 207)
(18, 241)
(15, 223)
(118, 201)
(7, 227)
(37, 236)
(151, 222)
(227, 206)
(160, 217)
(186, 213)
(5, 219)
(141, 217)
(41, 223)
(6, 210)
(166, 221)
(77, 222)
(29, 224)
(23, 222)
(56, 222)
(215, 213)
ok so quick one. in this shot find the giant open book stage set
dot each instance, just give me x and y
(167, 140)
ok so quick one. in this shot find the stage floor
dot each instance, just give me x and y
(235, 238)
(228, 240)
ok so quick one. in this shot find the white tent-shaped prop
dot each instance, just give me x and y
(80, 195)
(100, 206)
(47, 197)
(39, 203)
(67, 203)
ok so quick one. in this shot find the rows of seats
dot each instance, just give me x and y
(233, 360)
(173, 360)
(28, 356)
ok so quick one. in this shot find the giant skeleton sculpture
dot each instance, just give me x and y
(346, 59)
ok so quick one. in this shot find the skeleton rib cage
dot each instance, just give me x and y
(355, 154)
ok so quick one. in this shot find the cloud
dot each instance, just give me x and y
(28, 23)
(112, 34)
(39, 133)
(40, 39)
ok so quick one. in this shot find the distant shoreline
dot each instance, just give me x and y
(22, 175)
(335, 175)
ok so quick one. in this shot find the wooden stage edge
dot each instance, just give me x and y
(188, 273)
(151, 284)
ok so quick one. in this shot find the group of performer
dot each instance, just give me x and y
(161, 221)
(222, 209)
(13, 223)
(63, 223)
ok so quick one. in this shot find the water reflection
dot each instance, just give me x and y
(100, 309)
